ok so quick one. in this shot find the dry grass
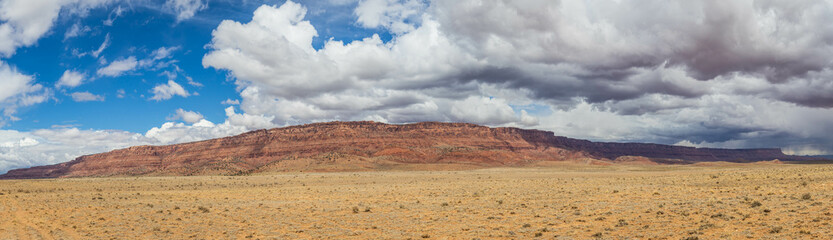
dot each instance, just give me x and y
(563, 202)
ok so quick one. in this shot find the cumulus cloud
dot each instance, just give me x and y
(167, 91)
(86, 97)
(185, 9)
(483, 110)
(395, 15)
(248, 121)
(187, 116)
(50, 146)
(696, 73)
(283, 76)
(202, 129)
(70, 78)
(230, 102)
(157, 60)
(118, 67)
(23, 22)
(706, 72)
(19, 90)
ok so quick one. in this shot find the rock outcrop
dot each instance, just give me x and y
(340, 146)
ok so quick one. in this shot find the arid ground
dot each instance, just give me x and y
(722, 201)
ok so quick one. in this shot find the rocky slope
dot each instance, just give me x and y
(341, 146)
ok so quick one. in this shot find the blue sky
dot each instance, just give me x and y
(137, 31)
(87, 76)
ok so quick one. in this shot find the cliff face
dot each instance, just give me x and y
(368, 145)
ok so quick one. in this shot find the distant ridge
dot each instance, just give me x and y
(360, 146)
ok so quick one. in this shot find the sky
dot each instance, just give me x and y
(86, 76)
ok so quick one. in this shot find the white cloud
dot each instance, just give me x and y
(185, 9)
(23, 22)
(283, 76)
(167, 91)
(163, 53)
(235, 123)
(117, 68)
(56, 145)
(115, 14)
(14, 82)
(187, 116)
(395, 15)
(19, 90)
(103, 46)
(202, 129)
(702, 73)
(230, 102)
(528, 120)
(70, 78)
(605, 71)
(192, 82)
(76, 30)
(247, 120)
(51, 146)
(86, 97)
(483, 110)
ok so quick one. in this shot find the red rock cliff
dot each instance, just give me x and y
(367, 145)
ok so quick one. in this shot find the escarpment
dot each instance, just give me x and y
(347, 146)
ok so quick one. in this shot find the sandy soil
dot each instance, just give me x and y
(761, 201)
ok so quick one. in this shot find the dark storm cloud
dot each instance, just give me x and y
(702, 72)
(775, 40)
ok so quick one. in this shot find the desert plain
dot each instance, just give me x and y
(556, 201)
